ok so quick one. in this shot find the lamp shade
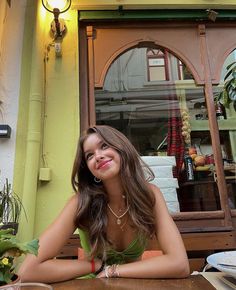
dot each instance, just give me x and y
(62, 5)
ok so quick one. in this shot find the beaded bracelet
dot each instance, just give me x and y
(115, 272)
(107, 271)
(112, 271)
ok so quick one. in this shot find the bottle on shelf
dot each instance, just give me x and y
(188, 164)
(219, 111)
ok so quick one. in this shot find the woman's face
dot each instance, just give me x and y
(102, 160)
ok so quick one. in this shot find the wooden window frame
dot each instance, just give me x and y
(205, 70)
(166, 65)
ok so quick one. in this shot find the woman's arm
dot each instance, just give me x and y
(44, 267)
(174, 262)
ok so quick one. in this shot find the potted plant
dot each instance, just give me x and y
(228, 94)
(10, 250)
(10, 208)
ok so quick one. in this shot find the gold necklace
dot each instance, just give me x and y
(118, 221)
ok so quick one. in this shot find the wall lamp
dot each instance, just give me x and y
(57, 7)
(212, 14)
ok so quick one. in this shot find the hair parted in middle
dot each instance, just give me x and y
(92, 208)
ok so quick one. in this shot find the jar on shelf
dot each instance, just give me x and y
(219, 111)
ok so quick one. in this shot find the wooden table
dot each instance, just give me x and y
(196, 282)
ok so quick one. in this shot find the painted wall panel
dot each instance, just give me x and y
(59, 119)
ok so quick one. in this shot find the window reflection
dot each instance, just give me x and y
(157, 62)
(150, 96)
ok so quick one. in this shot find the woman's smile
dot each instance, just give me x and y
(104, 164)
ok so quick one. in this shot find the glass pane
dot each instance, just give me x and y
(157, 73)
(163, 119)
(226, 118)
(156, 61)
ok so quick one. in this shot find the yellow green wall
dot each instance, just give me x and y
(48, 124)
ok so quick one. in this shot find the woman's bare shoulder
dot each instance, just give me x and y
(154, 189)
(73, 200)
(71, 205)
(158, 195)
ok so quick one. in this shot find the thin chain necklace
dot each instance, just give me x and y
(118, 221)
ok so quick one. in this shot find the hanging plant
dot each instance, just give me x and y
(228, 94)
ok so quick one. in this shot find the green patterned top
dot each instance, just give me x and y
(134, 250)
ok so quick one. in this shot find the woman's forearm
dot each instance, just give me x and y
(156, 267)
(55, 270)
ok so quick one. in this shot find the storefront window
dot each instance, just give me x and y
(150, 96)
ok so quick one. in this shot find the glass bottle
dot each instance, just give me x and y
(219, 111)
(188, 164)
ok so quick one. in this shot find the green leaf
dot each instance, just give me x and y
(234, 74)
(219, 98)
(227, 84)
(8, 242)
(225, 98)
(233, 84)
(11, 204)
(229, 66)
(229, 73)
(232, 95)
(228, 93)
(30, 247)
(5, 232)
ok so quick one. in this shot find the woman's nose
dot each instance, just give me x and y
(98, 156)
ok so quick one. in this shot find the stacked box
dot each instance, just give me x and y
(162, 168)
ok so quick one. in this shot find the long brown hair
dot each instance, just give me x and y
(92, 208)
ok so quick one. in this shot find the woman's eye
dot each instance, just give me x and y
(104, 146)
(88, 156)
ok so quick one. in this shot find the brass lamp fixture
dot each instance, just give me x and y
(57, 7)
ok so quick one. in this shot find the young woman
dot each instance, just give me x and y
(117, 211)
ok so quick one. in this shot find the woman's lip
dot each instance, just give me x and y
(103, 164)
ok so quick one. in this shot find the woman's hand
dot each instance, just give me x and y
(101, 274)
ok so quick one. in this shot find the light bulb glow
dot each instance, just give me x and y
(60, 4)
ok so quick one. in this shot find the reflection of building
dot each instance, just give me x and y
(140, 67)
(136, 92)
(130, 101)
